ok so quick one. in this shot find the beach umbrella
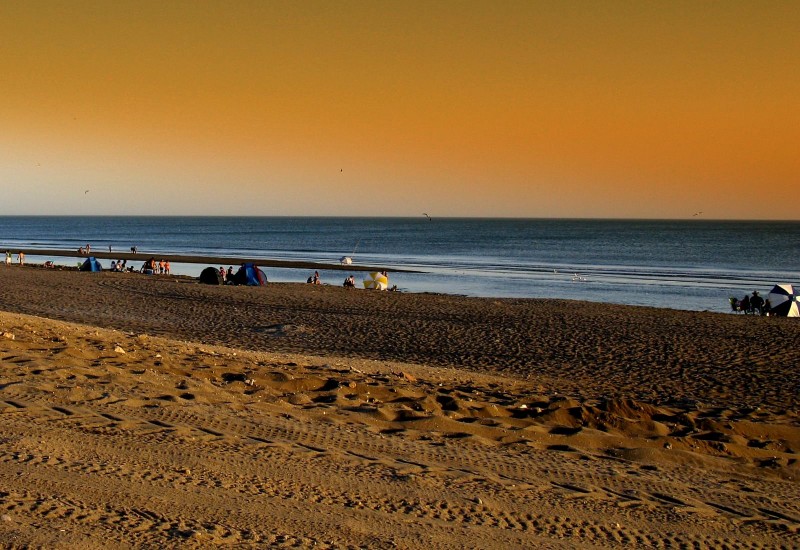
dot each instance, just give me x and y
(377, 281)
(784, 300)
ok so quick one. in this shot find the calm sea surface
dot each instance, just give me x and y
(693, 265)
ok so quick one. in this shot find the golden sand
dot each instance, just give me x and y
(157, 412)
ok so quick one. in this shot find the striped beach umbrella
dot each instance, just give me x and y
(784, 301)
(377, 281)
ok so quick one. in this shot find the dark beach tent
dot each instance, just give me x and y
(210, 276)
(91, 264)
(784, 301)
(250, 274)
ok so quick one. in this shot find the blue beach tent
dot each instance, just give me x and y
(91, 264)
(250, 274)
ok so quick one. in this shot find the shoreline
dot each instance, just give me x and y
(207, 260)
(696, 297)
(214, 261)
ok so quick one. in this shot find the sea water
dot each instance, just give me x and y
(692, 265)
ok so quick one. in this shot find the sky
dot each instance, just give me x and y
(676, 110)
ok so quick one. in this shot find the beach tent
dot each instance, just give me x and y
(376, 281)
(91, 264)
(210, 276)
(784, 301)
(251, 275)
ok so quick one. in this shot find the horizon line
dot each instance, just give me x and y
(398, 217)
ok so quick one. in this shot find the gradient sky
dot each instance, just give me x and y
(456, 108)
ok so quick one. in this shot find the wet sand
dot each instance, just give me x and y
(180, 414)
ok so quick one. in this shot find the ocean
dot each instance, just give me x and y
(688, 264)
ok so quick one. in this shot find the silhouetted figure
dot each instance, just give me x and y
(757, 303)
(744, 305)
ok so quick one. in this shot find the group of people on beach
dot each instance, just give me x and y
(20, 257)
(753, 304)
(349, 282)
(314, 279)
(86, 250)
(226, 276)
(121, 266)
(153, 267)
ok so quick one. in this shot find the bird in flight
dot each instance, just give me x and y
(427, 216)
(85, 191)
(697, 213)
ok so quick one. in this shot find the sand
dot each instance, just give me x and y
(150, 411)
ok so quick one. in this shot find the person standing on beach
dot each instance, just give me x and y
(8, 257)
(745, 304)
(166, 267)
(21, 258)
(757, 303)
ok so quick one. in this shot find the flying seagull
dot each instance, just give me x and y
(85, 191)
(426, 215)
(697, 213)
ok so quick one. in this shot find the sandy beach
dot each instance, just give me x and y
(152, 411)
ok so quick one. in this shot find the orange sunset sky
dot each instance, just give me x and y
(455, 108)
